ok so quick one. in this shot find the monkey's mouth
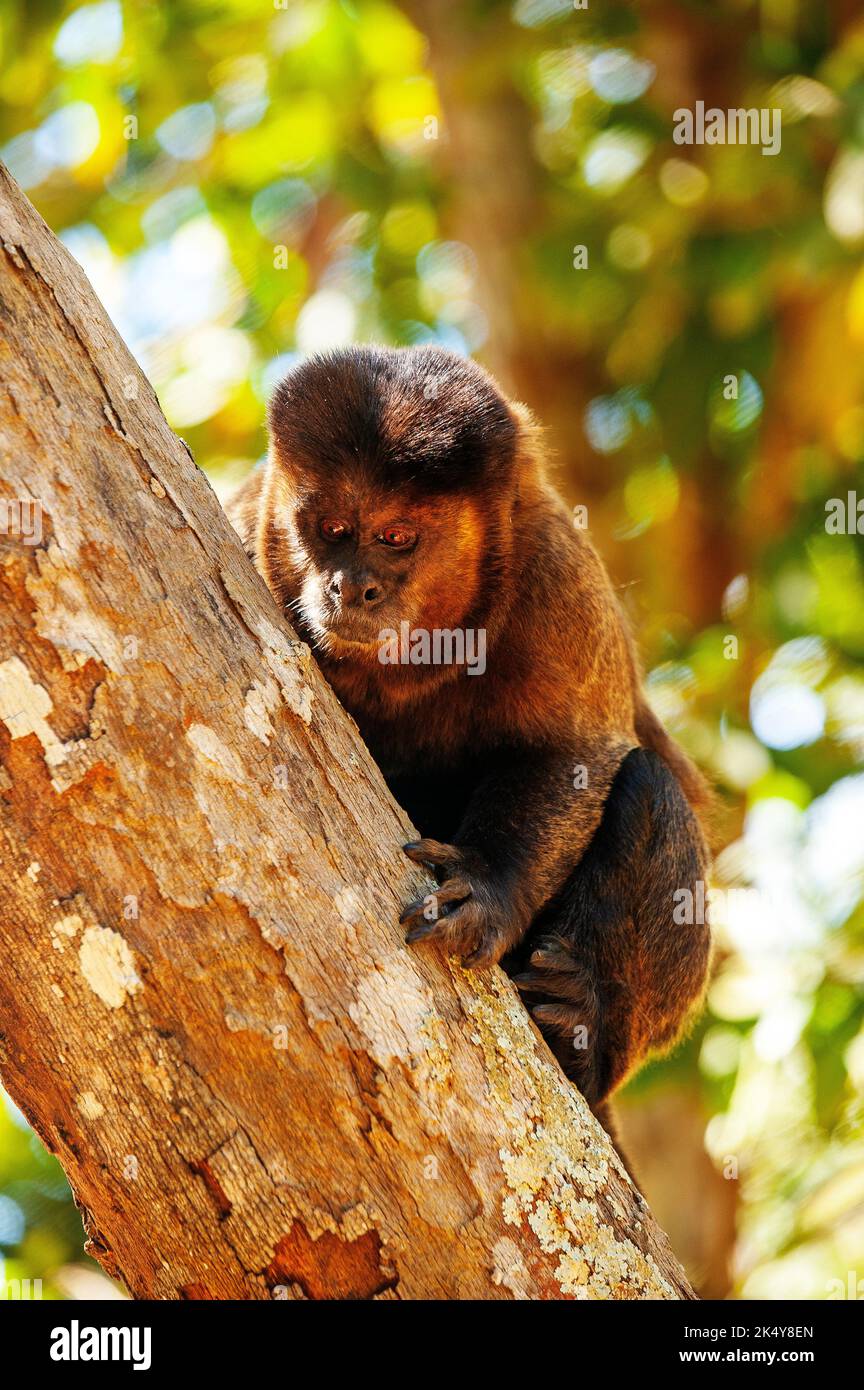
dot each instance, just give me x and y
(331, 627)
(351, 625)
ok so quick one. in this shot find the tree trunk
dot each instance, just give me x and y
(206, 1008)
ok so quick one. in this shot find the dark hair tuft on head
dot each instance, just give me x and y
(401, 415)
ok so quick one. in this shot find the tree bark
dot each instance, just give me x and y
(206, 1008)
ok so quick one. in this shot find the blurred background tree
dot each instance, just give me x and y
(245, 180)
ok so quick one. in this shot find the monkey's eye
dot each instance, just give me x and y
(397, 537)
(332, 528)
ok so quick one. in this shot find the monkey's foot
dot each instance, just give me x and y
(466, 913)
(562, 996)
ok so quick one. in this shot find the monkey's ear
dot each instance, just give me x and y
(524, 419)
(530, 435)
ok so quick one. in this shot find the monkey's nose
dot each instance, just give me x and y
(363, 595)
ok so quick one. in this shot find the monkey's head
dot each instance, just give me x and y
(393, 480)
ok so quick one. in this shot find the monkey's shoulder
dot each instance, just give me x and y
(243, 509)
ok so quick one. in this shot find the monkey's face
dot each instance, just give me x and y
(369, 561)
(395, 472)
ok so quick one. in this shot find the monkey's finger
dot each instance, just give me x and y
(423, 931)
(471, 937)
(489, 953)
(567, 987)
(420, 924)
(555, 947)
(553, 958)
(454, 890)
(457, 927)
(417, 911)
(550, 958)
(432, 852)
(529, 982)
(562, 1019)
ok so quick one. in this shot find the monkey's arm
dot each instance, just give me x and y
(527, 825)
(567, 708)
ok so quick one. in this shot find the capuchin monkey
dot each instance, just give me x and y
(404, 523)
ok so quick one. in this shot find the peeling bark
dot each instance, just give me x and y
(206, 1009)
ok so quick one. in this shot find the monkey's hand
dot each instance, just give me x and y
(470, 913)
(524, 829)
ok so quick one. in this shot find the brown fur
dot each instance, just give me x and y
(569, 884)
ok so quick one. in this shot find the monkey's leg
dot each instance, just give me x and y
(610, 974)
(527, 824)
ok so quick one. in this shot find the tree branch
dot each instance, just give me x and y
(206, 1009)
